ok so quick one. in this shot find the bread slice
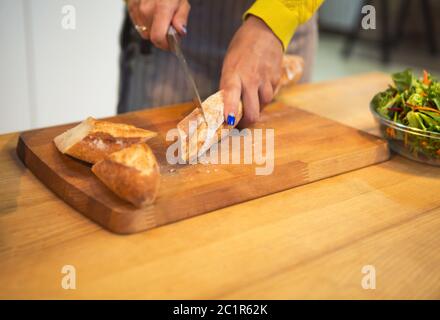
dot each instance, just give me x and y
(196, 135)
(194, 143)
(131, 173)
(92, 140)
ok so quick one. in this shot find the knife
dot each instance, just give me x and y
(173, 41)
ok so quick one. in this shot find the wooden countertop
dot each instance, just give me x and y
(308, 242)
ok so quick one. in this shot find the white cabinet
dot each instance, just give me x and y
(50, 74)
(15, 108)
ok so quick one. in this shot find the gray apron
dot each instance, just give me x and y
(152, 77)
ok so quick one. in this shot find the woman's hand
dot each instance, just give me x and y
(251, 69)
(152, 18)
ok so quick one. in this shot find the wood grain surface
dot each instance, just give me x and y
(307, 148)
(307, 242)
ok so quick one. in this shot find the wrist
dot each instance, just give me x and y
(282, 20)
(260, 28)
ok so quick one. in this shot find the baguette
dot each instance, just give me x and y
(194, 143)
(293, 68)
(131, 173)
(196, 135)
(92, 140)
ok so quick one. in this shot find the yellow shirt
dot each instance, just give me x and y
(284, 16)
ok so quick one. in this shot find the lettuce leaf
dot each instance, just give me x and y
(403, 80)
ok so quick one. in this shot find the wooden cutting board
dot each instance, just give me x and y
(307, 148)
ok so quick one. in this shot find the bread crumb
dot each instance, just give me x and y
(99, 144)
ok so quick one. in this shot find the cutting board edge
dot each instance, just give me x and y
(116, 221)
(381, 149)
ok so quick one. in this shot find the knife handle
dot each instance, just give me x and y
(171, 31)
(172, 37)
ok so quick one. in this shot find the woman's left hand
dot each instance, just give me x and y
(251, 69)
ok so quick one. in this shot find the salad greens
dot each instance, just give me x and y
(414, 103)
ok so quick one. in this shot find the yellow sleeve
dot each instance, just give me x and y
(284, 16)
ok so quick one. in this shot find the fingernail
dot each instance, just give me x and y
(184, 30)
(231, 119)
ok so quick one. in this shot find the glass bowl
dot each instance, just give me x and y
(412, 143)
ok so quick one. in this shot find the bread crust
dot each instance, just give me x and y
(140, 187)
(97, 146)
(93, 140)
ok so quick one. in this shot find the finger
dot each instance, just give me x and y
(146, 9)
(251, 105)
(231, 86)
(265, 93)
(133, 7)
(275, 75)
(161, 21)
(275, 78)
(180, 19)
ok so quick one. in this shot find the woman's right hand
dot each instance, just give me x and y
(152, 18)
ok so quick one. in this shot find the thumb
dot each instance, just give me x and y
(180, 18)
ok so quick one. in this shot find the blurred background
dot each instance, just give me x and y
(52, 75)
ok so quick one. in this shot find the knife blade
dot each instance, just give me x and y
(173, 41)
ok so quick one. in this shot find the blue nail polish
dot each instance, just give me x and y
(231, 119)
(184, 29)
